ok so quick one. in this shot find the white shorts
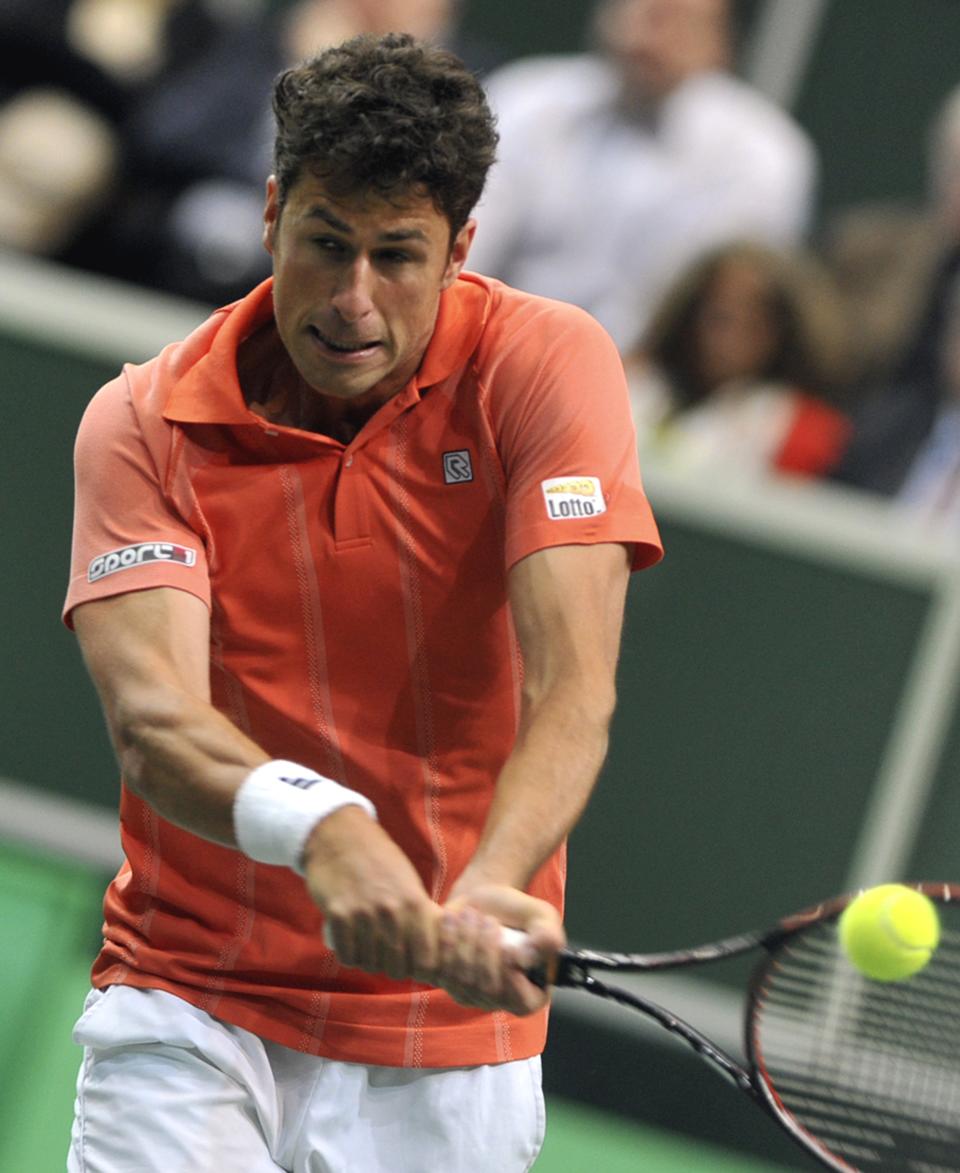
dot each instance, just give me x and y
(164, 1086)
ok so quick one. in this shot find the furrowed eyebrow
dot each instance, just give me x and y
(402, 234)
(319, 212)
(397, 236)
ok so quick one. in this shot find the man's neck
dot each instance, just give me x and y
(273, 389)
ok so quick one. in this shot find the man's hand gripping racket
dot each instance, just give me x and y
(862, 1074)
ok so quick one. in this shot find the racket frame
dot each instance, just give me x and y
(573, 968)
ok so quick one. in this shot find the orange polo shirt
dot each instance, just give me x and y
(359, 625)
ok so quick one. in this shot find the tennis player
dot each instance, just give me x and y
(348, 573)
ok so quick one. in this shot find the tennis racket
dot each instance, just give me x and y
(863, 1075)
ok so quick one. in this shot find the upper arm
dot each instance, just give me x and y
(144, 647)
(558, 406)
(567, 604)
(134, 526)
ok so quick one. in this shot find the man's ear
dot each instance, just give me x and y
(458, 253)
(271, 215)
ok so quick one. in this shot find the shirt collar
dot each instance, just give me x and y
(464, 308)
(209, 391)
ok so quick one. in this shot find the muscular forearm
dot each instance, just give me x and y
(567, 604)
(543, 787)
(540, 793)
(186, 759)
(147, 653)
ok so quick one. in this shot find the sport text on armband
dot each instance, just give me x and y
(129, 557)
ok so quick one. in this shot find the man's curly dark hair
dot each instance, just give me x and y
(388, 115)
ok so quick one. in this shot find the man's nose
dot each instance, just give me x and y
(353, 296)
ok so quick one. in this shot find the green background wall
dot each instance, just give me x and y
(879, 70)
(53, 729)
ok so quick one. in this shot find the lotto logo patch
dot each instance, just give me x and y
(128, 557)
(568, 497)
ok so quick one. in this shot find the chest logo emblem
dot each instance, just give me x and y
(457, 467)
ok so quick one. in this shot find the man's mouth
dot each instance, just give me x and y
(345, 346)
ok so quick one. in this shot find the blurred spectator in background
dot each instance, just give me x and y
(59, 159)
(742, 366)
(59, 150)
(135, 42)
(906, 441)
(897, 265)
(616, 168)
(69, 72)
(198, 144)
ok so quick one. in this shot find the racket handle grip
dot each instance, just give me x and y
(542, 974)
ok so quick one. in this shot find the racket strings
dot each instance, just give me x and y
(892, 1017)
(872, 1069)
(880, 1022)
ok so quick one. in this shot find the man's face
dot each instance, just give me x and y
(660, 43)
(357, 284)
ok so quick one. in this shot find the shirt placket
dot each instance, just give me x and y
(351, 506)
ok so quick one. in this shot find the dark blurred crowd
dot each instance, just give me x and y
(642, 178)
(135, 135)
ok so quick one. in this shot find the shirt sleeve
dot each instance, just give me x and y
(127, 534)
(561, 415)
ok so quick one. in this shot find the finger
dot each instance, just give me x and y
(424, 946)
(409, 942)
(362, 938)
(456, 946)
(521, 996)
(338, 936)
(391, 955)
(489, 959)
(471, 965)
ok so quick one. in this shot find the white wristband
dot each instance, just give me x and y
(279, 804)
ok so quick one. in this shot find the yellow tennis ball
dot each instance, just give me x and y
(889, 932)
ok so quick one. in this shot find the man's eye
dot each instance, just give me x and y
(394, 256)
(327, 244)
